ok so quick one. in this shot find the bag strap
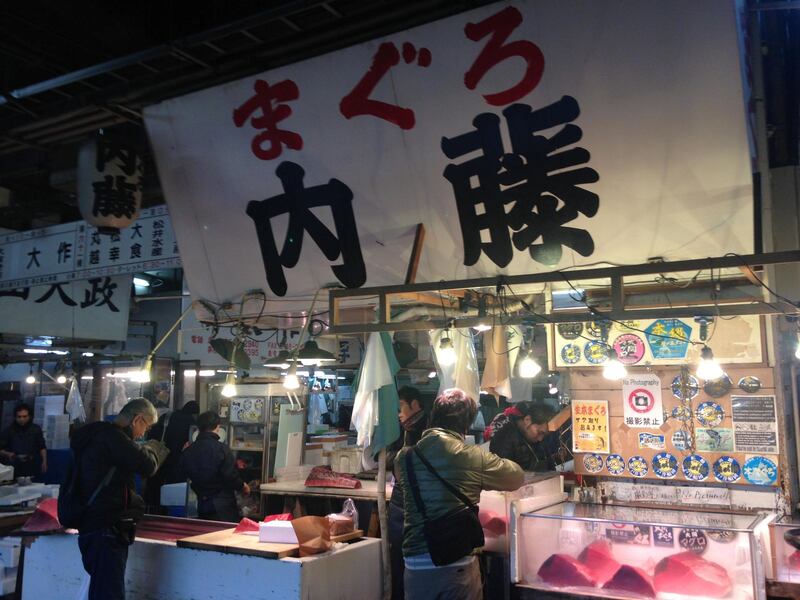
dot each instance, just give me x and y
(450, 487)
(103, 483)
(412, 480)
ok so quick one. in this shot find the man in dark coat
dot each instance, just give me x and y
(172, 429)
(23, 444)
(413, 421)
(209, 465)
(107, 459)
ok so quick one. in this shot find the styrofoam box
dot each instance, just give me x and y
(173, 494)
(277, 532)
(9, 552)
(293, 473)
(8, 584)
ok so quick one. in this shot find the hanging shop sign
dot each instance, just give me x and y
(94, 309)
(660, 342)
(590, 428)
(322, 169)
(75, 251)
(641, 398)
(755, 425)
(109, 182)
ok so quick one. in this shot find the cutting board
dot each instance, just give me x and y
(237, 543)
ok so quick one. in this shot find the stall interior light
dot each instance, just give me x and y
(529, 368)
(797, 349)
(432, 374)
(291, 382)
(143, 374)
(447, 353)
(229, 389)
(552, 383)
(312, 354)
(281, 361)
(481, 327)
(206, 372)
(86, 377)
(61, 378)
(612, 368)
(87, 354)
(189, 373)
(30, 379)
(708, 369)
(44, 351)
(141, 282)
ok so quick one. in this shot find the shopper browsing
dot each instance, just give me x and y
(210, 466)
(107, 459)
(442, 478)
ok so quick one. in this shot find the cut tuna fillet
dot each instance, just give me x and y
(246, 526)
(44, 518)
(690, 574)
(632, 579)
(597, 557)
(563, 570)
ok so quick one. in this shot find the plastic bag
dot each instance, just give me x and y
(345, 521)
(75, 404)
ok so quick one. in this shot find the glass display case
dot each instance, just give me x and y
(632, 552)
(785, 537)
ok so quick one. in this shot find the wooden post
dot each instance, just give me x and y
(384, 521)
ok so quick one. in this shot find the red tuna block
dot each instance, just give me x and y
(687, 573)
(246, 526)
(44, 518)
(794, 560)
(562, 570)
(597, 557)
(632, 579)
(492, 522)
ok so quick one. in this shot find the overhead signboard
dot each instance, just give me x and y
(93, 309)
(526, 136)
(76, 251)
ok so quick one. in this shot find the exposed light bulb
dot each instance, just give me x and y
(708, 368)
(229, 389)
(291, 382)
(30, 379)
(529, 368)
(62, 379)
(481, 327)
(797, 350)
(432, 374)
(447, 354)
(552, 388)
(612, 368)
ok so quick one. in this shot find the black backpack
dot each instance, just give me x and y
(70, 507)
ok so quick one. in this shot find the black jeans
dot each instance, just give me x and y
(104, 553)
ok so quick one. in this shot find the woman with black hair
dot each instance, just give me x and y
(518, 433)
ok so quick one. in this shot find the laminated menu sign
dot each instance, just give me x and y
(755, 425)
(641, 397)
(590, 426)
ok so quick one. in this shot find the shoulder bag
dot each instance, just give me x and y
(455, 534)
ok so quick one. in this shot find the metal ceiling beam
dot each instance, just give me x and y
(615, 275)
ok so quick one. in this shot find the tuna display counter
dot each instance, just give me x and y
(629, 552)
(158, 567)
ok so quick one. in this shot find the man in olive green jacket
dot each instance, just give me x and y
(467, 467)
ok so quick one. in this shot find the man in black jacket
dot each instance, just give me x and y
(108, 458)
(413, 421)
(23, 444)
(210, 466)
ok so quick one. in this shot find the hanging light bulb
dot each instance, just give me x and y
(30, 379)
(481, 327)
(612, 368)
(529, 368)
(291, 382)
(708, 368)
(62, 379)
(552, 383)
(447, 354)
(143, 374)
(229, 389)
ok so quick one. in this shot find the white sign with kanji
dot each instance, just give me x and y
(92, 309)
(76, 251)
(641, 398)
(525, 136)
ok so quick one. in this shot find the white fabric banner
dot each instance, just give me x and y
(526, 136)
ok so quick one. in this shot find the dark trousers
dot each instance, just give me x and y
(104, 553)
(396, 516)
(218, 507)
